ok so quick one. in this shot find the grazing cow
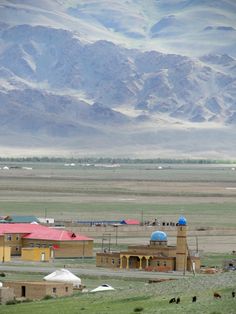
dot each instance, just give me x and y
(172, 300)
(177, 300)
(217, 295)
(194, 299)
(233, 294)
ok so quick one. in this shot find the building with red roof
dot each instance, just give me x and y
(130, 222)
(63, 243)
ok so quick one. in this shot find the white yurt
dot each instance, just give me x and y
(103, 287)
(64, 275)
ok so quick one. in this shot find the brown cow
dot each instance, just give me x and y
(217, 295)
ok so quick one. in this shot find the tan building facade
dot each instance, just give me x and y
(14, 242)
(5, 250)
(61, 243)
(39, 289)
(36, 254)
(63, 249)
(156, 256)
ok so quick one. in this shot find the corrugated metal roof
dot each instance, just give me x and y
(34, 231)
(21, 219)
(55, 235)
(20, 228)
(130, 222)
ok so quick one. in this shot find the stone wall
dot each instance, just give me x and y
(6, 294)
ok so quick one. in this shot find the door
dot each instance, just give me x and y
(23, 290)
(42, 257)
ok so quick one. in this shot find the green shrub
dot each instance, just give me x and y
(48, 297)
(26, 300)
(10, 302)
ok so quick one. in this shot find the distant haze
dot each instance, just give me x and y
(118, 78)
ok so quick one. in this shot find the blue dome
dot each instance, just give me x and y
(182, 221)
(158, 236)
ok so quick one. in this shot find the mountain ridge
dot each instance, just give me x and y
(63, 83)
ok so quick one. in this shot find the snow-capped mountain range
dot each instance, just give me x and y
(148, 78)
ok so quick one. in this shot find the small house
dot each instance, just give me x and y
(36, 290)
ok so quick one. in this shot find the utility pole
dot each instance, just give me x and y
(3, 253)
(83, 248)
(116, 228)
(104, 235)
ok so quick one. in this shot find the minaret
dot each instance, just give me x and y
(181, 246)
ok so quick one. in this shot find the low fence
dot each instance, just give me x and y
(142, 231)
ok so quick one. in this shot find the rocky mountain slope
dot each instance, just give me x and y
(103, 76)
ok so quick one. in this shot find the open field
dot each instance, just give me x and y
(83, 192)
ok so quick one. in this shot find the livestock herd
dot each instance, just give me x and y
(216, 295)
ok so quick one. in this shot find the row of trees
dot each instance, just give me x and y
(109, 160)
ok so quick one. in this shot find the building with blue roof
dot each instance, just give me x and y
(158, 236)
(182, 221)
(155, 256)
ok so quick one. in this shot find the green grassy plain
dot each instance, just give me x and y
(204, 214)
(133, 295)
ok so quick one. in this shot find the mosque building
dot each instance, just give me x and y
(156, 256)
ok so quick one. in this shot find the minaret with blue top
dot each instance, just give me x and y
(181, 246)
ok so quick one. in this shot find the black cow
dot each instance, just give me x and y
(233, 294)
(177, 300)
(172, 300)
(194, 299)
(217, 295)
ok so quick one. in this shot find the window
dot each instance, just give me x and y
(113, 261)
(66, 289)
(17, 248)
(164, 263)
(158, 263)
(9, 237)
(119, 261)
(17, 237)
(31, 244)
(54, 290)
